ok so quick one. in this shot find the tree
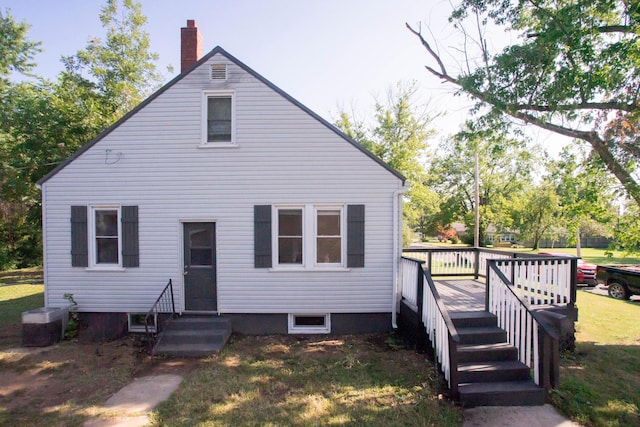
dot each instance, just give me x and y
(43, 122)
(120, 71)
(399, 136)
(16, 50)
(536, 212)
(585, 190)
(505, 166)
(574, 72)
(627, 233)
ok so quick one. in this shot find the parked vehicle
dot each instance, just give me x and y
(622, 280)
(586, 271)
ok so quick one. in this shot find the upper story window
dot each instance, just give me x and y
(219, 119)
(106, 241)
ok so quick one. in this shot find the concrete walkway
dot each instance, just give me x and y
(516, 416)
(131, 406)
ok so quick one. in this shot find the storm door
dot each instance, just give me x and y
(200, 266)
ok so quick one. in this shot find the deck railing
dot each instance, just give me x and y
(162, 311)
(536, 341)
(543, 279)
(426, 302)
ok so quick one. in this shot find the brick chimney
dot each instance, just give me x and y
(191, 45)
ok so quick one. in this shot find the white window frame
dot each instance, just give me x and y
(205, 107)
(276, 237)
(93, 251)
(317, 209)
(322, 329)
(309, 238)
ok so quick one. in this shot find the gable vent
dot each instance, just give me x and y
(218, 71)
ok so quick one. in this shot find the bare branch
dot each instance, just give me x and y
(429, 49)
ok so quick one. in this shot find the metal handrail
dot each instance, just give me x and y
(162, 311)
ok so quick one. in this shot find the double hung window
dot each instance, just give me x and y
(309, 236)
(106, 241)
(218, 120)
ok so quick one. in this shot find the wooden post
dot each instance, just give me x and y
(477, 263)
(453, 368)
(420, 290)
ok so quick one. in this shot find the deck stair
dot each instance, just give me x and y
(193, 336)
(489, 373)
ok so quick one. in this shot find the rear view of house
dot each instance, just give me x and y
(254, 207)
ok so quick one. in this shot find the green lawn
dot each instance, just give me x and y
(600, 382)
(20, 290)
(310, 381)
(597, 256)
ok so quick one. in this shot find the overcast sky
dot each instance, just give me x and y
(328, 54)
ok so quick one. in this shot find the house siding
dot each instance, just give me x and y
(284, 155)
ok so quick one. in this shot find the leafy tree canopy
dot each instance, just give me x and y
(506, 164)
(399, 135)
(574, 71)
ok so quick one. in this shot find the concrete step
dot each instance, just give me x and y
(187, 350)
(482, 335)
(471, 319)
(193, 336)
(486, 352)
(494, 371)
(199, 322)
(184, 336)
(510, 393)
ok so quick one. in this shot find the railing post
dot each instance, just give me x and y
(477, 263)
(544, 364)
(487, 286)
(574, 279)
(420, 290)
(453, 368)
(173, 304)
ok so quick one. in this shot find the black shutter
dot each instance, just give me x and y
(355, 236)
(262, 236)
(130, 249)
(79, 239)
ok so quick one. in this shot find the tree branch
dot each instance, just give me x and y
(613, 105)
(425, 43)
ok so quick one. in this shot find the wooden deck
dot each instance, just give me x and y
(462, 295)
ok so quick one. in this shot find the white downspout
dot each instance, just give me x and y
(397, 251)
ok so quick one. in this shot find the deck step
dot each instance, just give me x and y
(509, 393)
(482, 335)
(486, 352)
(471, 319)
(493, 371)
(193, 336)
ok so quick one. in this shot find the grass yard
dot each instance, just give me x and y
(597, 256)
(600, 382)
(20, 290)
(310, 380)
(275, 380)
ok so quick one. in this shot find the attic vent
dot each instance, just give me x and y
(218, 71)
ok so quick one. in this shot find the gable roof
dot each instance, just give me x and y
(215, 51)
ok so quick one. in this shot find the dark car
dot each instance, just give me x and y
(586, 271)
(622, 281)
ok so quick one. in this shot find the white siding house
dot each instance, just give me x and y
(255, 207)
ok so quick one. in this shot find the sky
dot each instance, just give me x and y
(330, 55)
